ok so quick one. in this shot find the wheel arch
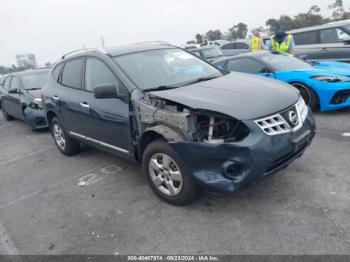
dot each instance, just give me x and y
(163, 132)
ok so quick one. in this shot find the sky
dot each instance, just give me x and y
(50, 28)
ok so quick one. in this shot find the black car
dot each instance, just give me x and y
(329, 42)
(191, 126)
(20, 97)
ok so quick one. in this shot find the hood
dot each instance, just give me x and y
(239, 95)
(35, 93)
(325, 69)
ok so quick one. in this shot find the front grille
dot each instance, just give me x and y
(286, 121)
(340, 97)
(279, 163)
(273, 125)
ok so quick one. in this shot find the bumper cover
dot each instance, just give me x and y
(233, 166)
(35, 118)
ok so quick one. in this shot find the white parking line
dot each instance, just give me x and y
(6, 244)
(25, 156)
(346, 134)
(43, 190)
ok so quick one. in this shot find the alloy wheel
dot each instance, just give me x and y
(166, 174)
(59, 136)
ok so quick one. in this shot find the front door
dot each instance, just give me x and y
(13, 101)
(106, 121)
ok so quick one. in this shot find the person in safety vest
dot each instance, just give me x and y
(281, 42)
(256, 43)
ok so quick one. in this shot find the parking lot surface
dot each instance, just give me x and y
(95, 203)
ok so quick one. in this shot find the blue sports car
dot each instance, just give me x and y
(325, 85)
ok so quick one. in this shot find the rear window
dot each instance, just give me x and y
(306, 38)
(71, 74)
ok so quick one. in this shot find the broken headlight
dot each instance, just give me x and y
(218, 129)
(36, 103)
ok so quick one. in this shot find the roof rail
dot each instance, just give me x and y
(82, 50)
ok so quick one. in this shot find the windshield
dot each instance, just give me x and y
(211, 53)
(164, 67)
(284, 62)
(35, 80)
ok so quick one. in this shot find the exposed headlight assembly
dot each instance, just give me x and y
(218, 129)
(36, 103)
(331, 79)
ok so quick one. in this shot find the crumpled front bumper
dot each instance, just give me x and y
(233, 166)
(35, 118)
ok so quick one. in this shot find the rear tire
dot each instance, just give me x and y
(66, 144)
(6, 115)
(168, 175)
(308, 95)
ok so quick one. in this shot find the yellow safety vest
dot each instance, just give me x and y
(283, 47)
(255, 44)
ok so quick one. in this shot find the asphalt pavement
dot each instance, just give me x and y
(95, 203)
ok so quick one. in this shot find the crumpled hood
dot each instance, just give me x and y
(35, 93)
(239, 95)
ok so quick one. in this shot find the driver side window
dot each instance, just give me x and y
(14, 83)
(246, 65)
(7, 83)
(97, 73)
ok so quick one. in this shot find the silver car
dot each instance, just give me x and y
(236, 47)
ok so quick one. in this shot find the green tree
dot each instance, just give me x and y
(199, 38)
(214, 35)
(238, 31)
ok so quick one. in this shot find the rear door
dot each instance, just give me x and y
(333, 46)
(106, 121)
(13, 101)
(66, 95)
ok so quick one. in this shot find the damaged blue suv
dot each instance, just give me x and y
(190, 125)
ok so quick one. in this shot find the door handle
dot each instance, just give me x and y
(55, 97)
(85, 105)
(324, 49)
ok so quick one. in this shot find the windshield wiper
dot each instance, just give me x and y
(202, 79)
(160, 88)
(34, 88)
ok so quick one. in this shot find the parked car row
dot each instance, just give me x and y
(192, 126)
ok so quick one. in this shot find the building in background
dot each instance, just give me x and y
(26, 60)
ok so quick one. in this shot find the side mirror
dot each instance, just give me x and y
(346, 41)
(13, 91)
(104, 91)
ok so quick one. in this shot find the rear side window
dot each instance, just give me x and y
(7, 82)
(71, 74)
(306, 38)
(246, 65)
(333, 35)
(56, 72)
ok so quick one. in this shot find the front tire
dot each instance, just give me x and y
(6, 115)
(167, 174)
(307, 94)
(66, 144)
